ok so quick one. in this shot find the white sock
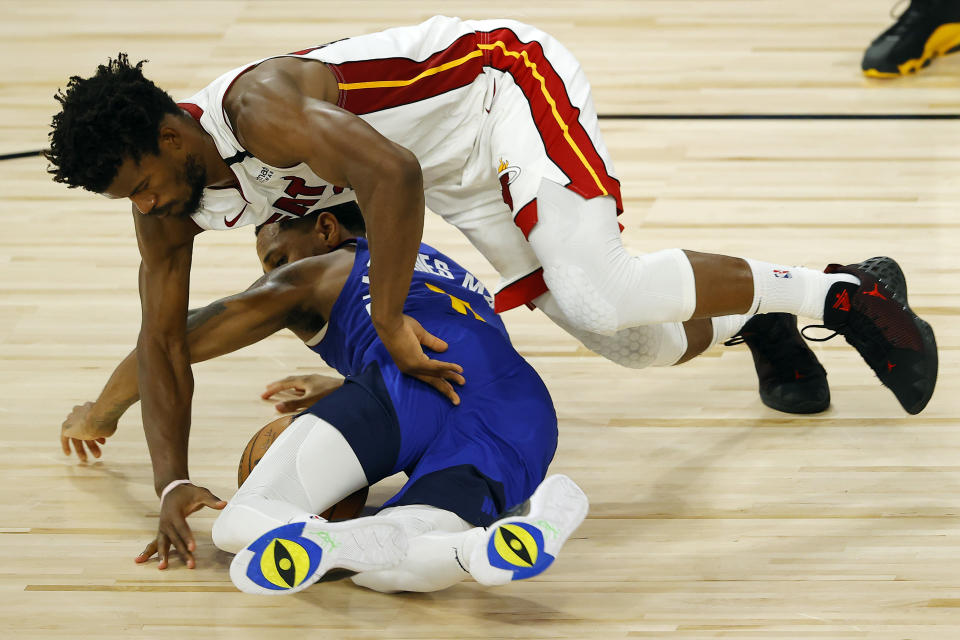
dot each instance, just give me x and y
(725, 327)
(796, 290)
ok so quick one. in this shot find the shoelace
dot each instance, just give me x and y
(869, 341)
(779, 353)
(818, 326)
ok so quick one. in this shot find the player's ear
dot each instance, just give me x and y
(327, 228)
(170, 134)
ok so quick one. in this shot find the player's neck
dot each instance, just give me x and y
(218, 171)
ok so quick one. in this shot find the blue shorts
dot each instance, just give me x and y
(478, 459)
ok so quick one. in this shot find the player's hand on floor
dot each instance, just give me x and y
(295, 393)
(85, 428)
(174, 530)
(406, 342)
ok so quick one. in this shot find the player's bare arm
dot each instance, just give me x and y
(283, 113)
(166, 249)
(297, 297)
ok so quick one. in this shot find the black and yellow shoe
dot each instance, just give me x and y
(927, 29)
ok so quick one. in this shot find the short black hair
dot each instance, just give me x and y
(112, 115)
(347, 214)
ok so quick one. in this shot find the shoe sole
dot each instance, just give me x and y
(944, 40)
(801, 408)
(294, 556)
(521, 547)
(889, 274)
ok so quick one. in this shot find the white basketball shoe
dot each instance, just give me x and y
(523, 546)
(294, 556)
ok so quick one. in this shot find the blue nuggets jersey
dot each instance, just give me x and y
(477, 459)
(442, 295)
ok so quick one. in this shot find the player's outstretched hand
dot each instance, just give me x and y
(296, 393)
(406, 342)
(85, 429)
(173, 529)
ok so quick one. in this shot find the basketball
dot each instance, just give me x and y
(348, 508)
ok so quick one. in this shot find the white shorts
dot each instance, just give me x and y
(490, 108)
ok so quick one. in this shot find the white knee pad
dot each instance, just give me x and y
(599, 286)
(658, 345)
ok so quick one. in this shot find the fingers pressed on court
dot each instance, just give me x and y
(78, 447)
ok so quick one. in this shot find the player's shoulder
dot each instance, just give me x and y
(314, 270)
(267, 106)
(280, 83)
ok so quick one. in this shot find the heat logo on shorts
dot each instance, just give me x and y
(506, 175)
(283, 559)
(518, 547)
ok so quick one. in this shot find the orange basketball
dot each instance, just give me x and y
(348, 508)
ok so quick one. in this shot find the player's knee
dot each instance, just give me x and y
(583, 304)
(228, 531)
(623, 291)
(640, 347)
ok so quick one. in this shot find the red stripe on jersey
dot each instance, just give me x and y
(373, 85)
(523, 291)
(558, 123)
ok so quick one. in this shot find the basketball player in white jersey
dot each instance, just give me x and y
(492, 124)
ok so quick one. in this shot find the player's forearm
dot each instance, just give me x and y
(166, 391)
(122, 388)
(120, 392)
(394, 208)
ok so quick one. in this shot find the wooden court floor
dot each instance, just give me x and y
(711, 515)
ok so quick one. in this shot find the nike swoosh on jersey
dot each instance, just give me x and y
(230, 223)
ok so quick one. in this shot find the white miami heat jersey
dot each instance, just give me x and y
(490, 108)
(438, 118)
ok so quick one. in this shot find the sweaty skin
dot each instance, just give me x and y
(281, 112)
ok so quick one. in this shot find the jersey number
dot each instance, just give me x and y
(461, 306)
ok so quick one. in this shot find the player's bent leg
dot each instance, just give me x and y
(294, 556)
(598, 285)
(434, 559)
(633, 347)
(524, 546)
(309, 468)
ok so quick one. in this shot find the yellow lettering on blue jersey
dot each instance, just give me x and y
(461, 306)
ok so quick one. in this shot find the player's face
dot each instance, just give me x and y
(277, 247)
(160, 185)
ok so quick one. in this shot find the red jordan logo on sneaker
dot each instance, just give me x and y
(843, 301)
(875, 293)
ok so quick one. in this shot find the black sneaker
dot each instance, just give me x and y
(791, 378)
(927, 29)
(875, 319)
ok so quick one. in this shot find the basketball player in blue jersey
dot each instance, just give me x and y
(467, 465)
(491, 124)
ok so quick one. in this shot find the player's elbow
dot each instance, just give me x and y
(402, 168)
